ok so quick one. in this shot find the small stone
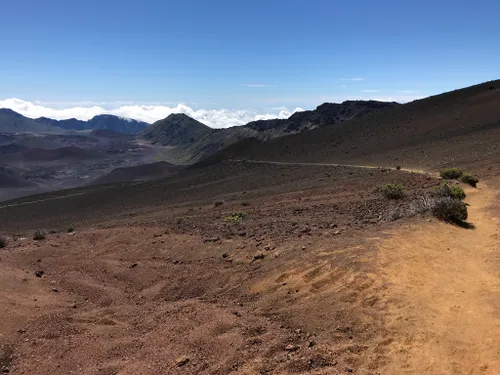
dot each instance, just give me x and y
(292, 348)
(310, 344)
(39, 273)
(55, 290)
(225, 255)
(258, 256)
(133, 265)
(181, 361)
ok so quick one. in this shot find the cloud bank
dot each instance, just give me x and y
(216, 118)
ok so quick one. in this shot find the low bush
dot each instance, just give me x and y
(398, 167)
(451, 173)
(454, 191)
(218, 203)
(450, 209)
(392, 191)
(39, 235)
(244, 204)
(235, 217)
(3, 242)
(180, 220)
(71, 230)
(468, 178)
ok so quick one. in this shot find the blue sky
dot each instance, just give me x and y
(258, 56)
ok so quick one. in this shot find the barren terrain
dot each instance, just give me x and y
(315, 279)
(256, 263)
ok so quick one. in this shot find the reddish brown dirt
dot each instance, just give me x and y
(314, 279)
(136, 293)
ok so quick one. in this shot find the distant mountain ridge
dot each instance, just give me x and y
(13, 122)
(99, 122)
(190, 141)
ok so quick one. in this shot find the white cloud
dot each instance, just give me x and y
(217, 118)
(283, 114)
(368, 91)
(352, 79)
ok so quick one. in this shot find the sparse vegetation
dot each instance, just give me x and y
(468, 178)
(218, 203)
(445, 190)
(235, 217)
(39, 235)
(451, 173)
(398, 167)
(392, 191)
(245, 204)
(180, 220)
(3, 242)
(450, 209)
(71, 230)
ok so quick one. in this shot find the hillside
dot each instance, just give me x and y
(10, 179)
(190, 140)
(297, 266)
(143, 172)
(458, 126)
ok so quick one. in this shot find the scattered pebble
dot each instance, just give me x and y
(181, 361)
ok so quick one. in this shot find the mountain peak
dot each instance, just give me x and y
(175, 129)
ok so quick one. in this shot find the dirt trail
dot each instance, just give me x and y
(443, 290)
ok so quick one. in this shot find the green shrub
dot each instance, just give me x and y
(468, 178)
(3, 242)
(450, 209)
(235, 217)
(454, 191)
(393, 191)
(39, 235)
(180, 220)
(244, 204)
(451, 173)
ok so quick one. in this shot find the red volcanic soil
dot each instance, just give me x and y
(158, 279)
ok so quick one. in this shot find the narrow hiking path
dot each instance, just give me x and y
(326, 165)
(443, 293)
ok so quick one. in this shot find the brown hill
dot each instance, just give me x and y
(143, 172)
(455, 127)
